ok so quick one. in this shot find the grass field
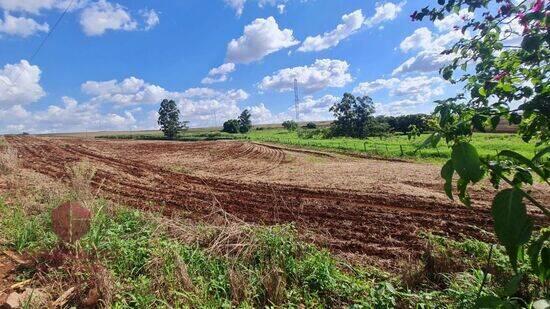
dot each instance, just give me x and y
(488, 144)
(396, 146)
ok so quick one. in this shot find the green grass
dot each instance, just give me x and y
(149, 266)
(396, 146)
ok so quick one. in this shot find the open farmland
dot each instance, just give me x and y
(361, 209)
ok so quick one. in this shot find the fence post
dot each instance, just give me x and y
(401, 147)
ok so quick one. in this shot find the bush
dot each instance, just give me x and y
(231, 126)
(290, 125)
(311, 125)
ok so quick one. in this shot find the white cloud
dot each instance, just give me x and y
(201, 106)
(430, 47)
(408, 91)
(351, 23)
(384, 12)
(219, 74)
(310, 109)
(101, 16)
(21, 26)
(420, 39)
(237, 5)
(451, 21)
(35, 6)
(130, 91)
(151, 18)
(321, 74)
(20, 84)
(261, 38)
(281, 8)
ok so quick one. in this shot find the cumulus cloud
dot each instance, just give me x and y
(21, 26)
(68, 116)
(219, 74)
(200, 106)
(35, 6)
(350, 24)
(322, 74)
(237, 5)
(20, 84)
(102, 16)
(384, 12)
(260, 38)
(408, 91)
(310, 109)
(429, 46)
(130, 91)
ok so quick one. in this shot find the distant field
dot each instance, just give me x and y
(396, 146)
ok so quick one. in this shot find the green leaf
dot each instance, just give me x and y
(482, 92)
(541, 153)
(523, 160)
(447, 173)
(512, 225)
(466, 162)
(463, 195)
(512, 286)
(489, 302)
(534, 252)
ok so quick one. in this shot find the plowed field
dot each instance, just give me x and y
(356, 207)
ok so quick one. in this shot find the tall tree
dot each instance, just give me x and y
(169, 119)
(245, 124)
(352, 115)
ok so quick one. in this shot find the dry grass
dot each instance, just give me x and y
(8, 160)
(81, 175)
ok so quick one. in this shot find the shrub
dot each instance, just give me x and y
(311, 125)
(231, 126)
(290, 125)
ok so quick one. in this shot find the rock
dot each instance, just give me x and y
(30, 298)
(13, 301)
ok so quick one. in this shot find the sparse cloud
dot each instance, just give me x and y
(324, 73)
(260, 38)
(219, 74)
(350, 24)
(21, 26)
(384, 12)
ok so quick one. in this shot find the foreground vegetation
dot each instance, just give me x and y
(142, 260)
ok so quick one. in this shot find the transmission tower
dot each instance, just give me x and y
(296, 100)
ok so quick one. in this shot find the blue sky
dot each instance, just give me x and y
(108, 64)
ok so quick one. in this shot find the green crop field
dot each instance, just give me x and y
(489, 144)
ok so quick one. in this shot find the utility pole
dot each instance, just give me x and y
(296, 100)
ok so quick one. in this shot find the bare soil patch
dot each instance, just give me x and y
(363, 209)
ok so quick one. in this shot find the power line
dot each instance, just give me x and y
(296, 100)
(43, 42)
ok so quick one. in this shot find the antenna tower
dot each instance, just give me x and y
(296, 100)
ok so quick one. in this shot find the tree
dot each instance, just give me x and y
(352, 115)
(290, 125)
(245, 124)
(169, 119)
(311, 125)
(231, 126)
(501, 80)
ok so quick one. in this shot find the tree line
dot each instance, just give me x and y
(354, 117)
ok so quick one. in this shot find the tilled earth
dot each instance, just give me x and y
(360, 208)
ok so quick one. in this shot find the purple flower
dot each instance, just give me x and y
(537, 7)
